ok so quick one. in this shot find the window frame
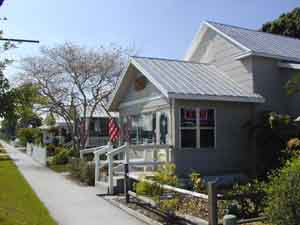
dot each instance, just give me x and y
(198, 128)
(157, 115)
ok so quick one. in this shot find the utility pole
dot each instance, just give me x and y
(20, 40)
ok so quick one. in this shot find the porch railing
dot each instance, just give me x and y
(142, 159)
(97, 141)
(91, 150)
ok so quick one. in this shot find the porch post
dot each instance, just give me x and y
(97, 165)
(212, 203)
(87, 141)
(126, 182)
(168, 155)
(110, 174)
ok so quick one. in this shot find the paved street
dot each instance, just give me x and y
(68, 203)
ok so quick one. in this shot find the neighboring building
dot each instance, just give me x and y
(200, 105)
(98, 129)
(56, 134)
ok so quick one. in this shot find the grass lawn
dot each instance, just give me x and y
(19, 205)
(1, 149)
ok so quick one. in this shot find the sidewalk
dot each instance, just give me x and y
(68, 203)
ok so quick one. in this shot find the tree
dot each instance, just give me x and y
(50, 120)
(22, 113)
(5, 94)
(26, 97)
(287, 24)
(76, 80)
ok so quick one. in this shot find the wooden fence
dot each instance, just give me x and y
(212, 197)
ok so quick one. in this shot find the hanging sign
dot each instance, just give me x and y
(140, 83)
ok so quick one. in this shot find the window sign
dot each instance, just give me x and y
(207, 117)
(188, 117)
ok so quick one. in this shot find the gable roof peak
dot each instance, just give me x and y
(252, 42)
(215, 24)
(168, 59)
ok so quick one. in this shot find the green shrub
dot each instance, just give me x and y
(166, 175)
(75, 167)
(197, 182)
(87, 173)
(169, 205)
(283, 195)
(147, 189)
(292, 150)
(83, 171)
(62, 157)
(248, 199)
(50, 149)
(33, 135)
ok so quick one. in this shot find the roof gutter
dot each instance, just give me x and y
(258, 99)
(261, 54)
(295, 66)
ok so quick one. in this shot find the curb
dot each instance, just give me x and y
(132, 212)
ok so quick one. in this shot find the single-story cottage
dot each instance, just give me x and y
(98, 127)
(200, 105)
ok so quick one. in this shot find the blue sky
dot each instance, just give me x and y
(158, 28)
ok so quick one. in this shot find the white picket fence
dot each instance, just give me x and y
(38, 153)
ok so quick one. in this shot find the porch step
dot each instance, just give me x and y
(102, 187)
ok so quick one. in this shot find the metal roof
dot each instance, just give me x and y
(261, 43)
(191, 80)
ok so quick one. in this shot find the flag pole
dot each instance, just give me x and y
(107, 112)
(110, 117)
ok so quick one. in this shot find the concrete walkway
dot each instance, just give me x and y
(68, 203)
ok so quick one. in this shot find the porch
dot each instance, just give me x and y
(142, 159)
(94, 141)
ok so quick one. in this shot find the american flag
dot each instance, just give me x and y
(113, 130)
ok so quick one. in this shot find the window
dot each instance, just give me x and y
(207, 128)
(197, 128)
(140, 129)
(188, 128)
(92, 127)
(163, 126)
(146, 128)
(103, 127)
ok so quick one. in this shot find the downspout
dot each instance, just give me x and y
(172, 118)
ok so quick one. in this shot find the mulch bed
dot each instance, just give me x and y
(159, 216)
(153, 213)
(147, 210)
